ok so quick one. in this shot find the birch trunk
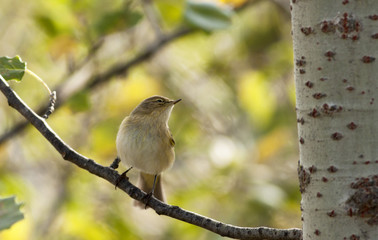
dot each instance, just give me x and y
(336, 77)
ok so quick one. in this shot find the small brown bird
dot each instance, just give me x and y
(145, 142)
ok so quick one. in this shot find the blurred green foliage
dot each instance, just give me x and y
(235, 130)
(207, 16)
(9, 212)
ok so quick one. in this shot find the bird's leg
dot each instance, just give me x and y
(115, 163)
(122, 176)
(150, 194)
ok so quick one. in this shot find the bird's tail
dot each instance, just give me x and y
(145, 183)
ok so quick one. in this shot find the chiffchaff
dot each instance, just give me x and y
(144, 142)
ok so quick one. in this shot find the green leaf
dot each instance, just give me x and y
(116, 20)
(9, 212)
(80, 102)
(12, 68)
(47, 24)
(207, 16)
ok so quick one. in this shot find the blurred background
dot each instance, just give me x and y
(235, 129)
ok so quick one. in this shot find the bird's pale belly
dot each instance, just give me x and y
(153, 156)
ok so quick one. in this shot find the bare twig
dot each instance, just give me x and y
(122, 68)
(111, 176)
(115, 70)
(51, 106)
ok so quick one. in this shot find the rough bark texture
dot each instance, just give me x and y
(335, 51)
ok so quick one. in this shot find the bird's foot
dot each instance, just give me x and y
(146, 199)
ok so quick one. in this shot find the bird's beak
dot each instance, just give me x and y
(176, 101)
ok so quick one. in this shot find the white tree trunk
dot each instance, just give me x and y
(336, 77)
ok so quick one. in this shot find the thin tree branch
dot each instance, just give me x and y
(114, 71)
(122, 68)
(111, 176)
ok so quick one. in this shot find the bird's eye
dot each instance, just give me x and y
(159, 100)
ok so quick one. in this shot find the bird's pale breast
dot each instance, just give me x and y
(147, 148)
